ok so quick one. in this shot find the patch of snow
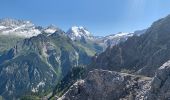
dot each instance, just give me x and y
(40, 84)
(22, 33)
(50, 30)
(34, 90)
(2, 27)
(119, 35)
(167, 64)
(122, 34)
(36, 73)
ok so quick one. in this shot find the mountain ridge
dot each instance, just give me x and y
(146, 52)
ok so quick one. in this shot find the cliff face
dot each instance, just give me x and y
(108, 85)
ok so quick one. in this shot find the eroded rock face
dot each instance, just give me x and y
(108, 85)
(160, 89)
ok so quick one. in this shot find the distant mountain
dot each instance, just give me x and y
(36, 64)
(117, 38)
(83, 35)
(139, 54)
(18, 28)
(50, 29)
(85, 38)
(78, 33)
(13, 31)
(114, 39)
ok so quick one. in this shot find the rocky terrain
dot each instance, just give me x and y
(108, 85)
(160, 84)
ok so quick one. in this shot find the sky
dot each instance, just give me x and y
(100, 17)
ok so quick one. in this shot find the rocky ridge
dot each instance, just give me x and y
(108, 85)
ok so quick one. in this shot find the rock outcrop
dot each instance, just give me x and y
(160, 89)
(108, 85)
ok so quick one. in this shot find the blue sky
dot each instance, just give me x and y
(101, 17)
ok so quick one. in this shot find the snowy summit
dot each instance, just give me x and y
(78, 33)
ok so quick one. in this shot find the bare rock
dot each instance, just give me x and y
(108, 85)
(160, 89)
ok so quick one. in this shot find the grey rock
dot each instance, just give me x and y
(160, 89)
(108, 85)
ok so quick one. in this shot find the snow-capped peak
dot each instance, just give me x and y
(18, 28)
(114, 39)
(119, 35)
(50, 29)
(13, 22)
(122, 34)
(76, 32)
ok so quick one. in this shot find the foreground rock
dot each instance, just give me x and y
(108, 85)
(160, 89)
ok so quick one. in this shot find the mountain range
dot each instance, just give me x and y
(48, 63)
(33, 59)
(17, 30)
